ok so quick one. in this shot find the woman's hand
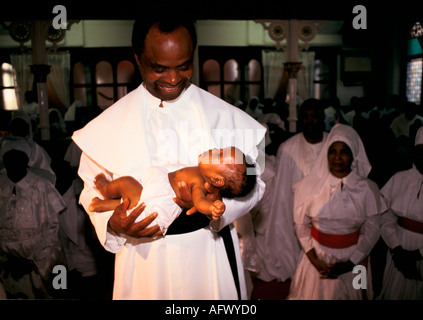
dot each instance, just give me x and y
(318, 264)
(339, 268)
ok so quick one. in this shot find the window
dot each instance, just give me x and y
(414, 80)
(413, 87)
(211, 76)
(231, 73)
(101, 77)
(125, 75)
(7, 87)
(104, 83)
(82, 83)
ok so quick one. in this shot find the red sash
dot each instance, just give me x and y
(411, 225)
(335, 241)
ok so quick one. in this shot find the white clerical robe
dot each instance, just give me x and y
(134, 134)
(278, 247)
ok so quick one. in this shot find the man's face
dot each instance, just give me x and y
(312, 123)
(166, 64)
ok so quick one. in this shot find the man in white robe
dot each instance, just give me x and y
(167, 122)
(279, 249)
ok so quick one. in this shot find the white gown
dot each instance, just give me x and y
(279, 249)
(348, 210)
(29, 229)
(134, 134)
(401, 192)
(338, 207)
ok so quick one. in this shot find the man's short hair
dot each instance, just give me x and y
(312, 104)
(167, 21)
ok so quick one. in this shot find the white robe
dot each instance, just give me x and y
(29, 229)
(401, 193)
(357, 206)
(278, 246)
(134, 134)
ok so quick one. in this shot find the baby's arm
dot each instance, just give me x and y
(123, 187)
(202, 204)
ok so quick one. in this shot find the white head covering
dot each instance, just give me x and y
(419, 137)
(15, 143)
(39, 160)
(19, 114)
(312, 185)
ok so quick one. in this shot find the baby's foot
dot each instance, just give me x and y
(101, 183)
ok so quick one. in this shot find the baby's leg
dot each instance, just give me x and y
(98, 205)
(101, 182)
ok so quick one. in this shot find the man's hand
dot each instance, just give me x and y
(185, 198)
(123, 223)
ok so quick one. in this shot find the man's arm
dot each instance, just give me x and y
(121, 223)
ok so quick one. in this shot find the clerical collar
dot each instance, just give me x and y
(161, 103)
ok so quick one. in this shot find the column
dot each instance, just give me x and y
(40, 69)
(40, 72)
(292, 68)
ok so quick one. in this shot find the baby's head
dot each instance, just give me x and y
(226, 169)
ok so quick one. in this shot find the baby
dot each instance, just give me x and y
(222, 169)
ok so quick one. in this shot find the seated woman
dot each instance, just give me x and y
(337, 220)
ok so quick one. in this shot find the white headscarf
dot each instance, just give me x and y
(313, 184)
(39, 160)
(19, 114)
(15, 143)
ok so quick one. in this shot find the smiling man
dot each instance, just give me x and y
(168, 122)
(165, 62)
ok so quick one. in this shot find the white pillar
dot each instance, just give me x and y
(40, 69)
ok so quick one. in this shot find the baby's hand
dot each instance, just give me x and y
(218, 208)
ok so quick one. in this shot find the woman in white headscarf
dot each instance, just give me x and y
(337, 220)
(402, 230)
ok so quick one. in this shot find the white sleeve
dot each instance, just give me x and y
(303, 224)
(88, 169)
(388, 229)
(369, 235)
